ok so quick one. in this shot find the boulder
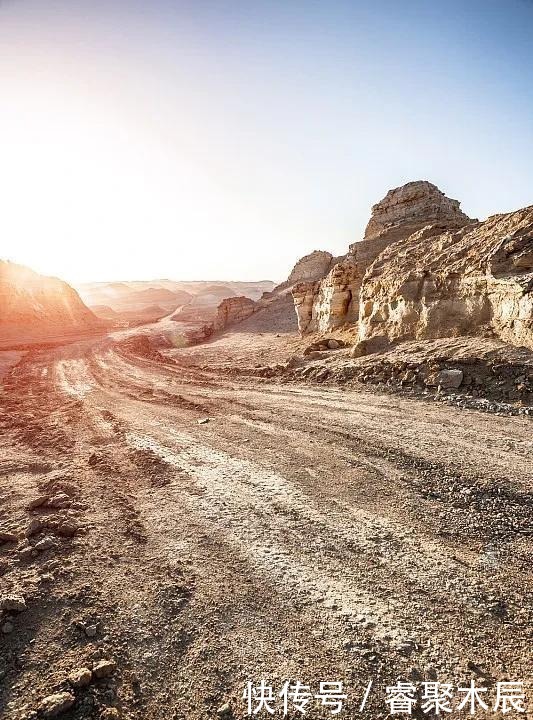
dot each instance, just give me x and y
(81, 677)
(104, 668)
(35, 526)
(54, 705)
(450, 378)
(376, 344)
(331, 302)
(38, 502)
(12, 603)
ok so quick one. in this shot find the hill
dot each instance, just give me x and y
(35, 307)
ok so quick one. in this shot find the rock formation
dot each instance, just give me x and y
(37, 308)
(330, 302)
(311, 267)
(406, 209)
(275, 309)
(333, 300)
(233, 310)
(471, 281)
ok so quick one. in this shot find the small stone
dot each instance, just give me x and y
(224, 710)
(45, 544)
(7, 628)
(414, 674)
(81, 677)
(67, 528)
(35, 526)
(294, 361)
(110, 714)
(333, 344)
(408, 376)
(91, 631)
(38, 502)
(61, 500)
(406, 648)
(104, 668)
(12, 603)
(7, 537)
(202, 421)
(359, 350)
(56, 704)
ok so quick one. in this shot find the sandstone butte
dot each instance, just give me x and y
(424, 269)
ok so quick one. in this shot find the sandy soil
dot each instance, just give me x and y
(301, 533)
(8, 359)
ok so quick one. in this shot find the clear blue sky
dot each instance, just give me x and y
(213, 139)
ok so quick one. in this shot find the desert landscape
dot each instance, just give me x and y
(206, 484)
(266, 360)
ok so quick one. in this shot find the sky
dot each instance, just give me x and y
(219, 139)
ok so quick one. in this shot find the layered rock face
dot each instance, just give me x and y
(303, 282)
(35, 307)
(475, 280)
(234, 310)
(333, 301)
(408, 208)
(311, 267)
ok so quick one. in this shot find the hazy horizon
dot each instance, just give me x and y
(120, 281)
(209, 139)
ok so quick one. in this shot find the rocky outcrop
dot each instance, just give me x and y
(409, 208)
(333, 301)
(38, 308)
(233, 310)
(311, 267)
(276, 308)
(471, 281)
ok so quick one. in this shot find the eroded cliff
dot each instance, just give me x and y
(332, 301)
(473, 281)
(234, 310)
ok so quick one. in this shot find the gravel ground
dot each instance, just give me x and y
(172, 532)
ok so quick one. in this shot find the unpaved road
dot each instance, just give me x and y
(302, 533)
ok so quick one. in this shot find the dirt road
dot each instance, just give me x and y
(301, 533)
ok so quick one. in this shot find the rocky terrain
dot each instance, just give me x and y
(332, 300)
(172, 529)
(425, 271)
(38, 308)
(274, 310)
(188, 507)
(276, 307)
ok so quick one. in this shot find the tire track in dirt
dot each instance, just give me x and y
(275, 535)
